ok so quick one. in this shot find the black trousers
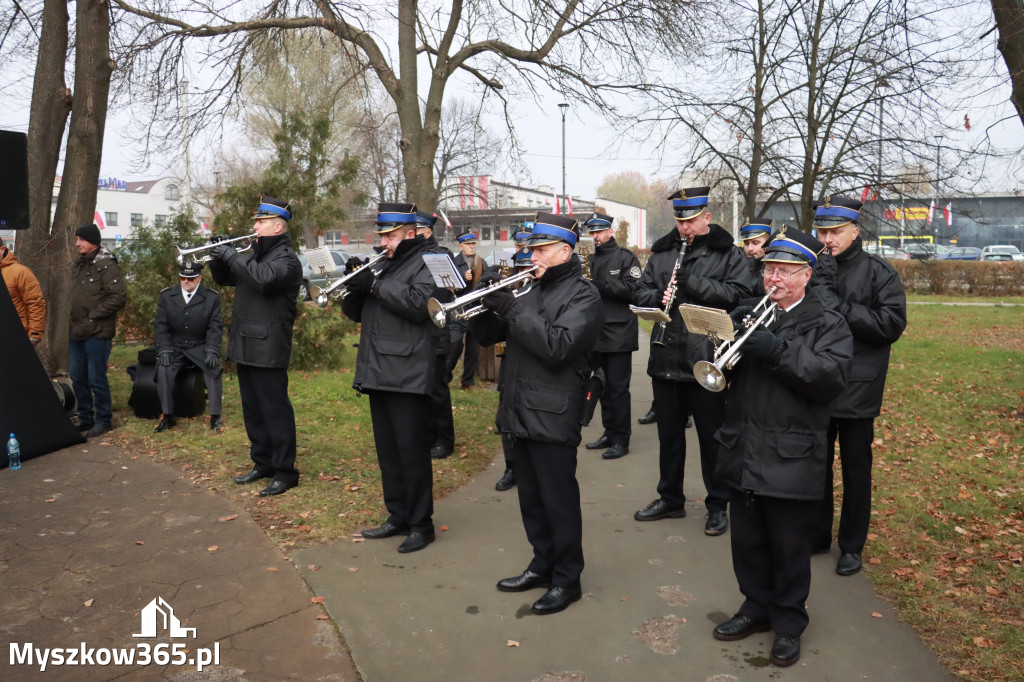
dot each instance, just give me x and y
(269, 420)
(676, 400)
(506, 449)
(615, 411)
(461, 338)
(771, 555)
(442, 424)
(549, 501)
(165, 377)
(855, 437)
(401, 434)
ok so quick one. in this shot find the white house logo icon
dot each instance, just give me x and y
(158, 611)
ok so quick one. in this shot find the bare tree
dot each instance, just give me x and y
(1009, 16)
(466, 147)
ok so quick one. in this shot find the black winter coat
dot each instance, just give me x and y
(772, 441)
(875, 306)
(548, 332)
(718, 277)
(266, 299)
(615, 272)
(395, 342)
(98, 292)
(191, 329)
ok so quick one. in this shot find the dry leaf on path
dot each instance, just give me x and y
(212, 548)
(232, 517)
(317, 600)
(88, 603)
(512, 642)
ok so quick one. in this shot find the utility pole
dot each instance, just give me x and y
(564, 107)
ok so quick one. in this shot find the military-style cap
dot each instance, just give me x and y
(752, 229)
(522, 258)
(522, 236)
(549, 228)
(792, 246)
(599, 221)
(689, 203)
(466, 238)
(426, 219)
(190, 269)
(273, 208)
(390, 217)
(835, 212)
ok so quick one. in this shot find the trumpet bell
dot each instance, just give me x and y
(438, 314)
(709, 376)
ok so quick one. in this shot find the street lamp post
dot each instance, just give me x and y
(564, 107)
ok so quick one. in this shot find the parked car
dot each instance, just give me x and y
(924, 251)
(310, 278)
(887, 252)
(961, 253)
(1007, 249)
(995, 256)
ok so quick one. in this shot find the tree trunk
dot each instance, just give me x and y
(77, 200)
(51, 104)
(1009, 15)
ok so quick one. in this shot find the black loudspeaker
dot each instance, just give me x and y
(13, 180)
(189, 389)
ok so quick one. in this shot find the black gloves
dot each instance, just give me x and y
(352, 263)
(163, 358)
(738, 314)
(761, 344)
(682, 275)
(217, 238)
(487, 279)
(211, 360)
(361, 283)
(500, 301)
(223, 252)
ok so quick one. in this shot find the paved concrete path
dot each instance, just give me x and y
(652, 593)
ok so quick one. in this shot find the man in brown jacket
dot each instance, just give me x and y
(25, 292)
(97, 294)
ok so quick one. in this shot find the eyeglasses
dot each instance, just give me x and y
(780, 273)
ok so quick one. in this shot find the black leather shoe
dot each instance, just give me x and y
(556, 599)
(739, 627)
(251, 477)
(385, 530)
(659, 509)
(440, 451)
(167, 422)
(717, 523)
(416, 541)
(216, 423)
(276, 488)
(527, 580)
(83, 426)
(785, 650)
(507, 480)
(615, 451)
(648, 418)
(98, 429)
(602, 442)
(848, 564)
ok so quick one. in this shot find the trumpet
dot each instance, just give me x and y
(337, 289)
(439, 311)
(190, 254)
(711, 375)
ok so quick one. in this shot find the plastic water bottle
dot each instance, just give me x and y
(14, 452)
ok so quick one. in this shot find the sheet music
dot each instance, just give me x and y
(443, 270)
(506, 255)
(707, 321)
(320, 260)
(652, 314)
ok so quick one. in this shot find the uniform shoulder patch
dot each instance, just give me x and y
(634, 272)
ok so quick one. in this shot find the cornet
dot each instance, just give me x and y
(337, 289)
(190, 254)
(439, 311)
(712, 375)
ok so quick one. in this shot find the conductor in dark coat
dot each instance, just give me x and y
(549, 332)
(772, 446)
(266, 299)
(188, 331)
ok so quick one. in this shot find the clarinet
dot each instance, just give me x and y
(658, 333)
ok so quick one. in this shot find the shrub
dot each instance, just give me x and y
(964, 278)
(317, 342)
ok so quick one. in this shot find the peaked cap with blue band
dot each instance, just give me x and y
(426, 219)
(599, 221)
(549, 228)
(792, 246)
(522, 236)
(466, 238)
(273, 208)
(390, 217)
(752, 229)
(522, 258)
(835, 212)
(689, 203)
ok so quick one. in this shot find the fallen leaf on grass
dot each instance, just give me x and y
(983, 642)
(317, 600)
(232, 517)
(512, 642)
(87, 603)
(212, 548)
(874, 560)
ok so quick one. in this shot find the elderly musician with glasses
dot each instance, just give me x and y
(772, 444)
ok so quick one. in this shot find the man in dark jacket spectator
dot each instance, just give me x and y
(549, 332)
(714, 273)
(188, 331)
(260, 342)
(98, 292)
(615, 271)
(771, 445)
(396, 368)
(872, 299)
